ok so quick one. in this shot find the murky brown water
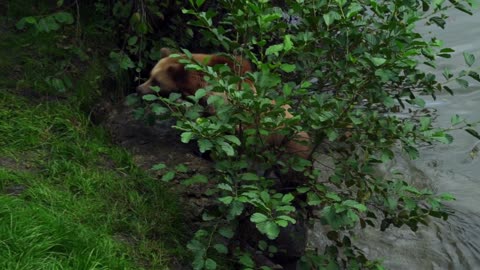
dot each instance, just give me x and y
(454, 244)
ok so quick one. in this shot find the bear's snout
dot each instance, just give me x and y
(143, 89)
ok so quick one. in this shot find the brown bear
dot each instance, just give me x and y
(171, 76)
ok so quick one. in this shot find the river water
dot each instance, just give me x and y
(453, 168)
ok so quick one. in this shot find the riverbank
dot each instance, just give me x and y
(69, 197)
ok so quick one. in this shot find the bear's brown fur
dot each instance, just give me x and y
(171, 76)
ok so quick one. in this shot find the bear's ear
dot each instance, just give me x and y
(165, 52)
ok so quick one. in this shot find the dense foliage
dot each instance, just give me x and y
(346, 68)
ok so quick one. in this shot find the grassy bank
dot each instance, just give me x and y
(69, 198)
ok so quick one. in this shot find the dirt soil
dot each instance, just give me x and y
(150, 145)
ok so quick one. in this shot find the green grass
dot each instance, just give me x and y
(79, 202)
(85, 204)
(34, 237)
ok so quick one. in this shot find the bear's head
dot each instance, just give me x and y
(171, 76)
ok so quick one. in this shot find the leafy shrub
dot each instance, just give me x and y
(346, 67)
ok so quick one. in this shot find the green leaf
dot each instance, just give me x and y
(387, 155)
(412, 152)
(168, 176)
(207, 217)
(353, 9)
(447, 74)
(327, 18)
(356, 120)
(313, 199)
(447, 197)
(224, 186)
(419, 102)
(469, 58)
(463, 83)
(186, 136)
(270, 228)
(265, 19)
(389, 102)
(265, 196)
(64, 17)
(193, 67)
(158, 110)
(287, 43)
(463, 8)
(226, 200)
(352, 216)
(174, 96)
(330, 17)
(195, 244)
(287, 89)
(474, 75)
(333, 196)
(196, 179)
(302, 190)
(438, 21)
(332, 134)
(132, 40)
(233, 139)
(250, 177)
(287, 198)
(473, 132)
(245, 260)
(258, 218)
(287, 67)
(47, 25)
(181, 168)
(274, 49)
(443, 137)
(200, 94)
(159, 166)
(391, 203)
(287, 218)
(236, 209)
(187, 53)
(204, 145)
(21, 24)
(378, 61)
(125, 62)
(455, 120)
(282, 223)
(58, 85)
(226, 232)
(155, 89)
(220, 248)
(425, 123)
(351, 203)
(209, 263)
(132, 100)
(227, 148)
(198, 263)
(285, 208)
(199, 2)
(262, 245)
